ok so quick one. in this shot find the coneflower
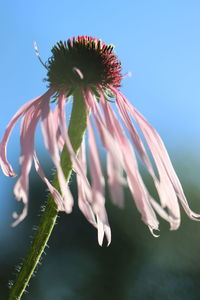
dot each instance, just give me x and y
(88, 70)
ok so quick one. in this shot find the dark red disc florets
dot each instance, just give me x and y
(83, 61)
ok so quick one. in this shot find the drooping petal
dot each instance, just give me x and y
(161, 212)
(134, 135)
(161, 158)
(89, 98)
(114, 140)
(48, 129)
(162, 161)
(59, 138)
(164, 187)
(98, 182)
(87, 208)
(83, 203)
(136, 185)
(114, 165)
(6, 167)
(28, 126)
(98, 186)
(168, 186)
(56, 195)
(116, 181)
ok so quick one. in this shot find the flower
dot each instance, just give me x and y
(90, 66)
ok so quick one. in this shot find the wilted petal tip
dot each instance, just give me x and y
(152, 231)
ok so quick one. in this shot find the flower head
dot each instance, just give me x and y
(90, 67)
(83, 61)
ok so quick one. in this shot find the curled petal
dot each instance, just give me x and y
(102, 219)
(103, 229)
(164, 186)
(152, 232)
(28, 126)
(22, 216)
(168, 184)
(6, 167)
(162, 160)
(100, 228)
(174, 224)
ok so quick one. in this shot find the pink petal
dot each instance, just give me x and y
(136, 185)
(169, 187)
(164, 215)
(98, 185)
(98, 182)
(56, 195)
(116, 181)
(48, 129)
(134, 135)
(83, 202)
(6, 167)
(90, 100)
(162, 159)
(28, 126)
(100, 228)
(59, 138)
(114, 165)
(164, 187)
(118, 142)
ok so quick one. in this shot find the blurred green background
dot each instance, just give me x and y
(135, 266)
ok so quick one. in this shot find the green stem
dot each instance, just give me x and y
(76, 131)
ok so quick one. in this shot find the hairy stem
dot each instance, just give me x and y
(77, 129)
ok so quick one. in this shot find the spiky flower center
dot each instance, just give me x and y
(83, 61)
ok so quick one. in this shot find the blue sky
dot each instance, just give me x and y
(158, 41)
